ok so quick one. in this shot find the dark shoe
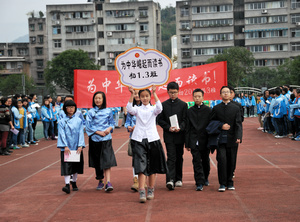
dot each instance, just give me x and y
(199, 187)
(10, 151)
(66, 189)
(222, 188)
(206, 183)
(230, 188)
(108, 187)
(5, 153)
(74, 186)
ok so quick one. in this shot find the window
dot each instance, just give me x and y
(143, 12)
(296, 46)
(40, 63)
(121, 27)
(31, 27)
(23, 51)
(186, 53)
(186, 64)
(57, 43)
(40, 26)
(77, 15)
(277, 19)
(32, 39)
(101, 48)
(101, 34)
(56, 30)
(40, 75)
(265, 5)
(10, 52)
(100, 21)
(40, 39)
(211, 9)
(1, 52)
(143, 27)
(295, 18)
(212, 23)
(121, 41)
(185, 25)
(86, 15)
(184, 12)
(144, 40)
(185, 39)
(295, 33)
(56, 16)
(39, 51)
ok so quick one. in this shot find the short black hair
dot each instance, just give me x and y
(231, 88)
(103, 106)
(172, 85)
(223, 88)
(277, 92)
(71, 96)
(285, 90)
(198, 90)
(69, 103)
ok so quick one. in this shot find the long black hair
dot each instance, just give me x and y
(103, 106)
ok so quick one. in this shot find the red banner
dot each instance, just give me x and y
(210, 78)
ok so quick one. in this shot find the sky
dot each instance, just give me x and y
(14, 21)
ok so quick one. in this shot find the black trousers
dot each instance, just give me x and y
(174, 162)
(201, 164)
(226, 157)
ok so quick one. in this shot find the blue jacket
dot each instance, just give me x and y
(17, 116)
(47, 114)
(279, 108)
(130, 121)
(260, 106)
(296, 107)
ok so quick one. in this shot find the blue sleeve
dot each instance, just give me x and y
(16, 113)
(45, 113)
(90, 127)
(81, 136)
(61, 140)
(111, 121)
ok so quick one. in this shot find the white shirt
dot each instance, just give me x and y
(145, 127)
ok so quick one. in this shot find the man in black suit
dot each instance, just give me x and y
(173, 136)
(196, 138)
(229, 114)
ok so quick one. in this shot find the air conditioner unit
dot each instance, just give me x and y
(243, 29)
(57, 22)
(136, 19)
(109, 33)
(297, 23)
(93, 21)
(265, 11)
(186, 3)
(110, 61)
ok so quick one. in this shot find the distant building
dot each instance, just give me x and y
(174, 51)
(14, 59)
(38, 48)
(103, 29)
(269, 29)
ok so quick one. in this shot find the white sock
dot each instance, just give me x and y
(75, 177)
(134, 175)
(67, 179)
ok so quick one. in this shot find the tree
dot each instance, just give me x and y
(12, 84)
(168, 28)
(41, 14)
(289, 72)
(60, 70)
(240, 63)
(265, 77)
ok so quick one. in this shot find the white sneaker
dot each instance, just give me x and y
(178, 184)
(25, 145)
(278, 137)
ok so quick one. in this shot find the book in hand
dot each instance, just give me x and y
(73, 157)
(174, 121)
(14, 131)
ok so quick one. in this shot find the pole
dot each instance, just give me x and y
(23, 83)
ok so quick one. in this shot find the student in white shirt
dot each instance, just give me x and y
(147, 152)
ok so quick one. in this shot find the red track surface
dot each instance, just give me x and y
(267, 186)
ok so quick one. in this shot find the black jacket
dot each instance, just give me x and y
(231, 115)
(197, 121)
(169, 109)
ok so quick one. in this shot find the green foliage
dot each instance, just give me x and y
(265, 77)
(60, 70)
(289, 72)
(168, 28)
(12, 84)
(240, 63)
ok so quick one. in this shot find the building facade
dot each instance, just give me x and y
(269, 29)
(103, 29)
(14, 59)
(38, 49)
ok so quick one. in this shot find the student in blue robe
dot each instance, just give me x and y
(70, 137)
(99, 126)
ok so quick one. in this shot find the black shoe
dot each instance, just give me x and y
(66, 189)
(74, 186)
(10, 151)
(5, 153)
(170, 185)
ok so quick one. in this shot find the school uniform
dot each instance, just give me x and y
(196, 139)
(101, 153)
(226, 155)
(71, 135)
(147, 152)
(47, 119)
(295, 109)
(174, 140)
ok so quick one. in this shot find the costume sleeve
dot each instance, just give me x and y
(158, 108)
(184, 118)
(45, 113)
(81, 142)
(187, 131)
(61, 140)
(130, 109)
(111, 121)
(238, 126)
(90, 125)
(128, 121)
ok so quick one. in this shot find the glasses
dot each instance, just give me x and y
(172, 93)
(70, 107)
(226, 92)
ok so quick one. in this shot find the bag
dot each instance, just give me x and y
(129, 151)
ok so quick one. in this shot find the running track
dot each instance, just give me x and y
(267, 186)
